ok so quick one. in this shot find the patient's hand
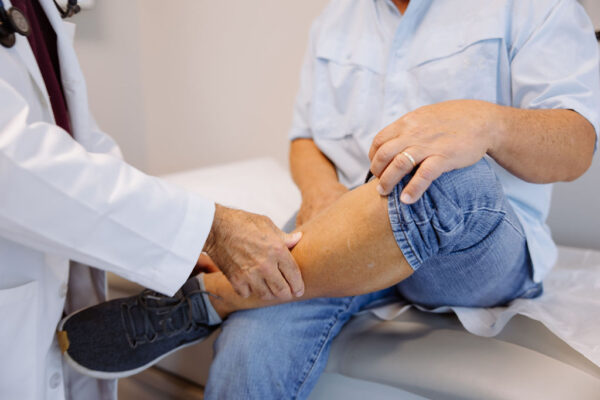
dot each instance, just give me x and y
(437, 138)
(317, 200)
(254, 254)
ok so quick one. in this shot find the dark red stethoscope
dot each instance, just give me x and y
(14, 21)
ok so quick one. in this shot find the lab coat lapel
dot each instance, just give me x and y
(72, 77)
(23, 49)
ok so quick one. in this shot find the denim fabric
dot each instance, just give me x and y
(467, 248)
(464, 242)
(279, 352)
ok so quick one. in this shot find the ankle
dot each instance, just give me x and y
(214, 284)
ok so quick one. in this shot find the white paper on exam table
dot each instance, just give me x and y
(569, 307)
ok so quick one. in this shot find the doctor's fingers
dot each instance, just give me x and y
(293, 277)
(258, 285)
(240, 286)
(288, 267)
(279, 287)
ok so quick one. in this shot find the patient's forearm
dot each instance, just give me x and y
(349, 249)
(311, 170)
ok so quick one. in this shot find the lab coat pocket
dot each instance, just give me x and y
(461, 62)
(349, 78)
(18, 341)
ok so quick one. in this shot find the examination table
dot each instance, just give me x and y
(416, 354)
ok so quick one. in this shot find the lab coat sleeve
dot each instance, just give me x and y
(554, 62)
(103, 143)
(92, 207)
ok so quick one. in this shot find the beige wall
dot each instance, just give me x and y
(593, 9)
(194, 82)
(107, 41)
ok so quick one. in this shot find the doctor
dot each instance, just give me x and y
(68, 201)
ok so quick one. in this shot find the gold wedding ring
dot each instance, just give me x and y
(410, 158)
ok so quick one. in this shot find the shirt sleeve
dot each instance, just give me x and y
(59, 198)
(556, 66)
(301, 118)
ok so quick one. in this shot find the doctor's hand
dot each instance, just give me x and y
(433, 139)
(254, 255)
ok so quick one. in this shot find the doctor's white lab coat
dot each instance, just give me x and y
(67, 203)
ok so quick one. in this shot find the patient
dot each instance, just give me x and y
(477, 107)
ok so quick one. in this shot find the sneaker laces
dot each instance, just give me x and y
(161, 316)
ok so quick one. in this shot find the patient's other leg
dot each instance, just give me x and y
(349, 249)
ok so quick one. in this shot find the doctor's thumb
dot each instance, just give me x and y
(292, 239)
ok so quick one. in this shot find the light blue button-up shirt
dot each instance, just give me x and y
(367, 65)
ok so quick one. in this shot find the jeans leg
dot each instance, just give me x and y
(279, 352)
(464, 242)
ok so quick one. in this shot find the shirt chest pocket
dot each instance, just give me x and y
(462, 62)
(347, 88)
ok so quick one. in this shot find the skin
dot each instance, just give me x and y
(316, 178)
(538, 146)
(254, 254)
(401, 5)
(335, 258)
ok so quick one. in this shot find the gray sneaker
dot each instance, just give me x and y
(122, 337)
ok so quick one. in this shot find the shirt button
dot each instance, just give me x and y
(55, 380)
(62, 291)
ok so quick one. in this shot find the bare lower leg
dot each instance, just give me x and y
(349, 249)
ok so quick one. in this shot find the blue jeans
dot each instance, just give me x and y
(467, 248)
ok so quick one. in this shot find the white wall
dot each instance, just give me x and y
(108, 44)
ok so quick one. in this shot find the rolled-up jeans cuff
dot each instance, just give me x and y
(400, 229)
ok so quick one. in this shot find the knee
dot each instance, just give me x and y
(458, 210)
(476, 186)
